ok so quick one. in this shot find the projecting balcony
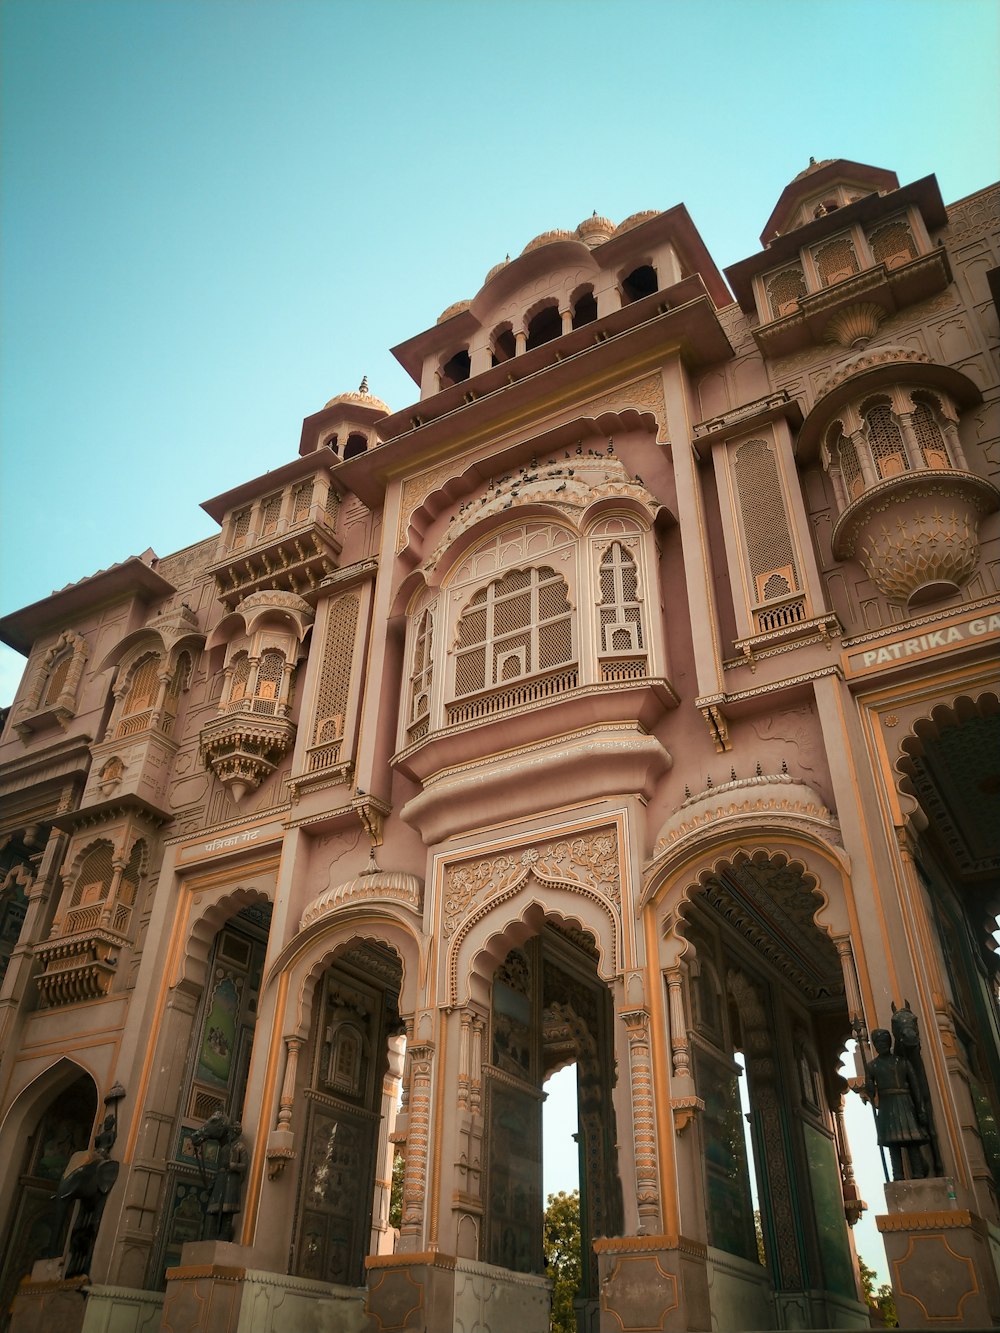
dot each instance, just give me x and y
(535, 742)
(244, 745)
(82, 963)
(295, 559)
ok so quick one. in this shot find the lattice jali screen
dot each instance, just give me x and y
(335, 677)
(144, 685)
(93, 881)
(765, 523)
(302, 501)
(332, 507)
(885, 441)
(930, 437)
(239, 678)
(843, 450)
(892, 244)
(58, 672)
(270, 512)
(241, 528)
(270, 673)
(621, 618)
(132, 874)
(517, 625)
(785, 290)
(836, 260)
(423, 668)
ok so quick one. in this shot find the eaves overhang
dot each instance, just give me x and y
(924, 193)
(749, 417)
(133, 577)
(500, 398)
(247, 491)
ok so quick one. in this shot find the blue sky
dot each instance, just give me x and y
(218, 213)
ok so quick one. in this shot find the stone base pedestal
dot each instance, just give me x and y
(942, 1257)
(437, 1293)
(57, 1305)
(216, 1289)
(652, 1283)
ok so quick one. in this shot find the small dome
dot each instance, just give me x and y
(546, 238)
(497, 268)
(395, 884)
(455, 309)
(361, 398)
(813, 166)
(635, 219)
(595, 230)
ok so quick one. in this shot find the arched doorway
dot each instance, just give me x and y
(346, 1160)
(767, 997)
(949, 764)
(549, 1007)
(37, 1226)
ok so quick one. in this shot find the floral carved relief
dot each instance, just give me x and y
(588, 861)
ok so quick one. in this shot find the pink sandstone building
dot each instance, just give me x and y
(628, 701)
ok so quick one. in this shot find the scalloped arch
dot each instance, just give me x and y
(508, 919)
(206, 924)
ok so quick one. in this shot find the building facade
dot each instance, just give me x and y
(628, 701)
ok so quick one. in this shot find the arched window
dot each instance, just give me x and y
(930, 436)
(885, 440)
(621, 619)
(140, 697)
(302, 501)
(178, 684)
(544, 326)
(456, 369)
(133, 873)
(892, 244)
(93, 880)
(836, 260)
(503, 344)
(267, 693)
(420, 677)
(519, 625)
(642, 281)
(843, 451)
(356, 444)
(55, 681)
(240, 529)
(785, 290)
(584, 309)
(238, 680)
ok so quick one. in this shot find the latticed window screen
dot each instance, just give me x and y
(844, 451)
(930, 437)
(621, 619)
(332, 505)
(423, 668)
(94, 880)
(335, 679)
(142, 691)
(178, 683)
(270, 671)
(239, 678)
(892, 244)
(765, 524)
(836, 260)
(241, 527)
(785, 290)
(132, 873)
(517, 626)
(58, 671)
(270, 512)
(885, 441)
(301, 501)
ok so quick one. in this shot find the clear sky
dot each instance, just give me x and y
(216, 214)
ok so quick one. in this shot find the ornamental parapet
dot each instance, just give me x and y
(80, 966)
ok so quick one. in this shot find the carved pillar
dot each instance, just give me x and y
(864, 456)
(421, 1059)
(567, 320)
(281, 1140)
(118, 865)
(852, 990)
(680, 1049)
(911, 444)
(520, 342)
(954, 444)
(647, 1184)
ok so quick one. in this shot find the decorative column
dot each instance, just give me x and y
(647, 1188)
(911, 445)
(421, 1058)
(520, 342)
(864, 456)
(281, 1140)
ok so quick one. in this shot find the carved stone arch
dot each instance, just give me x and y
(307, 957)
(536, 307)
(206, 921)
(514, 915)
(823, 876)
(467, 544)
(38, 1093)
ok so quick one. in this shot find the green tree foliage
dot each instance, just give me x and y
(561, 1245)
(396, 1192)
(880, 1298)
